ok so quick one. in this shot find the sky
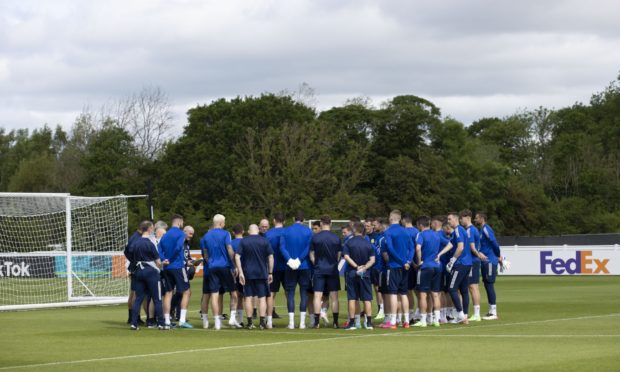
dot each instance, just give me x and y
(473, 59)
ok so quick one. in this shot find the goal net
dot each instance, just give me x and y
(62, 250)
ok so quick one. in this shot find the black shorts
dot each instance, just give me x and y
(294, 277)
(397, 281)
(474, 274)
(326, 283)
(175, 279)
(256, 287)
(278, 279)
(221, 278)
(359, 288)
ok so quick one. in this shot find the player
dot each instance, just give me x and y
(294, 246)
(218, 252)
(399, 252)
(325, 250)
(131, 267)
(473, 236)
(360, 257)
(173, 259)
(279, 266)
(235, 243)
(459, 267)
(316, 227)
(143, 254)
(189, 268)
(413, 311)
(376, 270)
(429, 270)
(254, 260)
(437, 223)
(490, 248)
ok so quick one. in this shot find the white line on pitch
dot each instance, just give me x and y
(232, 347)
(433, 334)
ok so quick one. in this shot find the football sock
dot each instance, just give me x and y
(302, 318)
(316, 319)
(476, 310)
(250, 320)
(291, 318)
(167, 319)
(493, 309)
(183, 316)
(437, 316)
(335, 317)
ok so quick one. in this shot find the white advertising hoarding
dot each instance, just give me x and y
(563, 260)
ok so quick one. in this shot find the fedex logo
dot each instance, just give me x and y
(583, 263)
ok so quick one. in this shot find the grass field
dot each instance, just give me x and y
(547, 323)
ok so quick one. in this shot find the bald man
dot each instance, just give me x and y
(254, 261)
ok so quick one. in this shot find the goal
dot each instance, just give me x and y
(62, 250)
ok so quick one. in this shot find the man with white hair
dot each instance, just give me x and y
(218, 252)
(254, 261)
(263, 227)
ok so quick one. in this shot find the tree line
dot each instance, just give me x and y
(536, 172)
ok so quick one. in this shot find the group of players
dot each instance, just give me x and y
(436, 263)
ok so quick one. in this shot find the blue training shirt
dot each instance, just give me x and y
(254, 252)
(143, 249)
(489, 245)
(473, 236)
(326, 246)
(235, 244)
(399, 246)
(459, 235)
(430, 243)
(214, 243)
(274, 235)
(171, 247)
(359, 250)
(379, 241)
(295, 243)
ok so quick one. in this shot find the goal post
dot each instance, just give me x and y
(62, 250)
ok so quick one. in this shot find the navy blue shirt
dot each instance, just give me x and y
(325, 246)
(359, 250)
(274, 235)
(143, 249)
(214, 243)
(254, 251)
(295, 243)
(133, 238)
(171, 247)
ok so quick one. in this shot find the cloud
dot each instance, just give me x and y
(473, 59)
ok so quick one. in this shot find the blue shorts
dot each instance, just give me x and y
(205, 285)
(358, 287)
(256, 288)
(175, 278)
(474, 274)
(132, 282)
(239, 288)
(412, 279)
(221, 278)
(278, 279)
(458, 277)
(429, 279)
(375, 277)
(294, 277)
(383, 281)
(489, 272)
(445, 280)
(310, 288)
(326, 283)
(397, 281)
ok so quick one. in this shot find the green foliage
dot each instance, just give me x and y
(535, 172)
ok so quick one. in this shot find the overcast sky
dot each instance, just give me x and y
(471, 58)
